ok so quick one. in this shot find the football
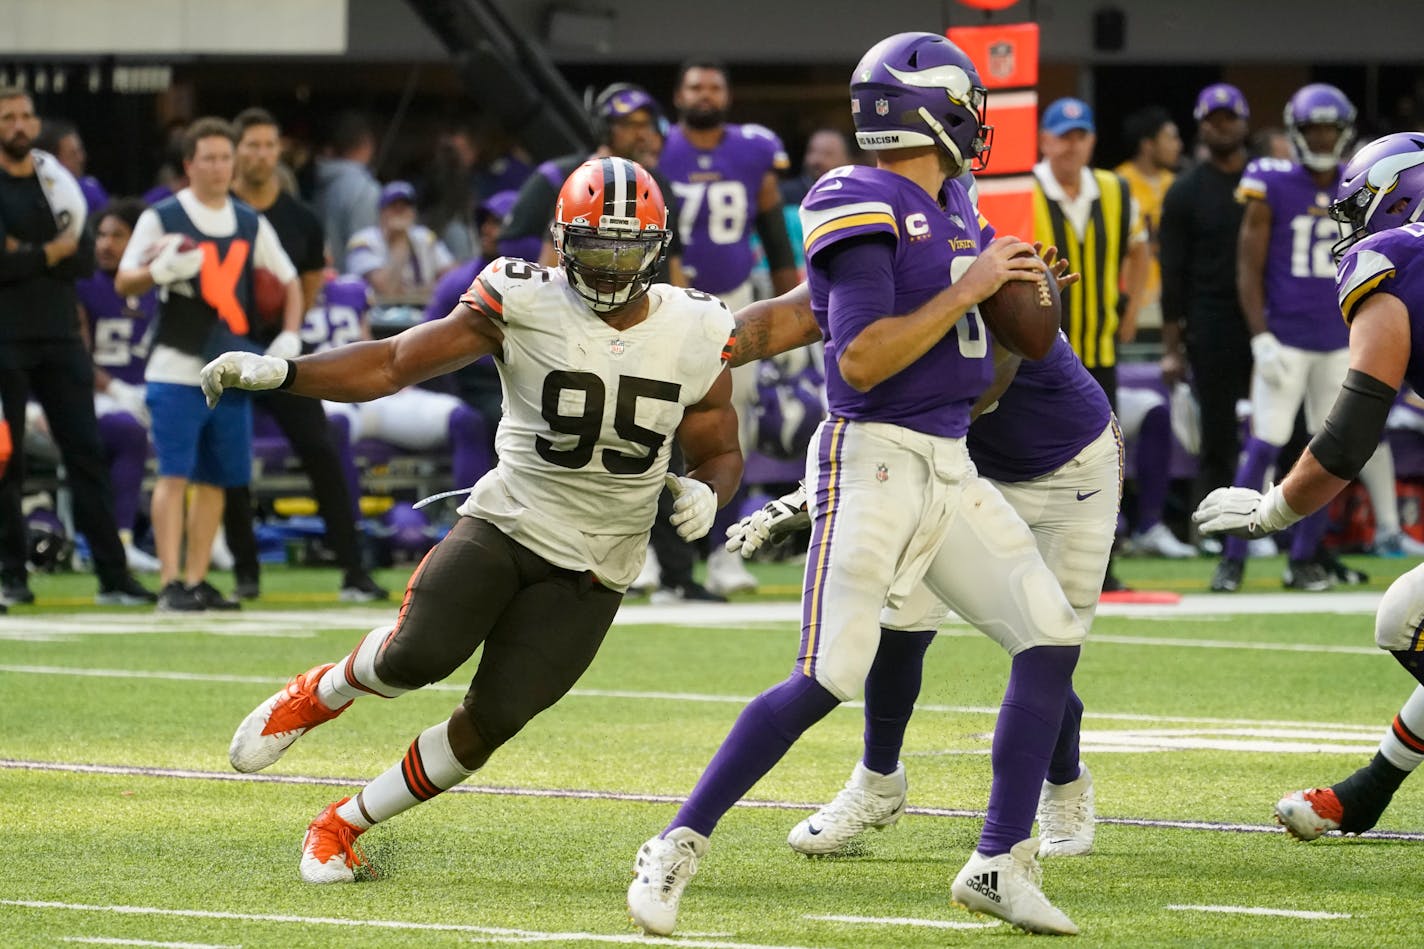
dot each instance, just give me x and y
(269, 296)
(1024, 316)
(184, 242)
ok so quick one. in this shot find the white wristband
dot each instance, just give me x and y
(1274, 513)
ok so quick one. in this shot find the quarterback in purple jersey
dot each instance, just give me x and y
(1380, 290)
(1284, 277)
(117, 328)
(896, 500)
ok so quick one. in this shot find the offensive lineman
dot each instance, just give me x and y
(896, 499)
(599, 366)
(1380, 288)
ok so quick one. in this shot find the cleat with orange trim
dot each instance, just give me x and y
(330, 853)
(1307, 814)
(271, 728)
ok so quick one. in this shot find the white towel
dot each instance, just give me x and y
(66, 200)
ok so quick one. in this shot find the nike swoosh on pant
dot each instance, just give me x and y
(1084, 497)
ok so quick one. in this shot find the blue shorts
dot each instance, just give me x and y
(210, 446)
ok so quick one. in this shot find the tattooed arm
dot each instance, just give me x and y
(769, 327)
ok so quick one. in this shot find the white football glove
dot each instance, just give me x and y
(238, 370)
(287, 345)
(173, 265)
(1243, 512)
(694, 508)
(1268, 355)
(130, 398)
(769, 523)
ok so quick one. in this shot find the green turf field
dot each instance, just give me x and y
(123, 824)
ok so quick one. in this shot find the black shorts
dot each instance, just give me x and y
(540, 625)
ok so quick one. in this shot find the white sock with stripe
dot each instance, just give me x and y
(1403, 744)
(429, 767)
(355, 676)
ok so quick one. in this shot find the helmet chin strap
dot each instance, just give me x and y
(942, 135)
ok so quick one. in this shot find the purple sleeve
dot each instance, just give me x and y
(860, 276)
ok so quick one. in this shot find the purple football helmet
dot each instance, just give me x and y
(1319, 104)
(914, 89)
(1380, 188)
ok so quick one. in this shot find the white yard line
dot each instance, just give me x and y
(512, 934)
(901, 921)
(1319, 729)
(1262, 911)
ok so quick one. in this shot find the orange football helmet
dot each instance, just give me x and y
(610, 229)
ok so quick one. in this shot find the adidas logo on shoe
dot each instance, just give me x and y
(986, 884)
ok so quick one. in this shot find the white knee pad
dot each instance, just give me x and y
(1400, 616)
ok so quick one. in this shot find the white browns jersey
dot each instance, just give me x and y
(589, 413)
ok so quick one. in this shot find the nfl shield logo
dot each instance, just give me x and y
(1001, 60)
(617, 347)
(882, 473)
(882, 106)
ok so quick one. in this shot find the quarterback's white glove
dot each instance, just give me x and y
(1243, 512)
(238, 370)
(172, 264)
(769, 523)
(694, 507)
(130, 398)
(287, 345)
(1268, 355)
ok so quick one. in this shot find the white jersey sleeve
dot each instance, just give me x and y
(589, 413)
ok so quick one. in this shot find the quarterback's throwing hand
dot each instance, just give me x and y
(694, 507)
(237, 370)
(1244, 512)
(770, 523)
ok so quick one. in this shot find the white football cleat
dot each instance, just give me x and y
(1007, 886)
(727, 573)
(272, 727)
(868, 800)
(661, 872)
(1159, 541)
(1066, 818)
(329, 850)
(140, 560)
(1308, 814)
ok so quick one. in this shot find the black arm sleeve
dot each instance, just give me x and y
(79, 264)
(1352, 431)
(771, 228)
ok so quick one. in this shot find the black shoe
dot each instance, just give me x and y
(128, 592)
(1341, 571)
(247, 588)
(176, 598)
(211, 597)
(358, 587)
(13, 593)
(1111, 584)
(1227, 578)
(689, 592)
(1307, 576)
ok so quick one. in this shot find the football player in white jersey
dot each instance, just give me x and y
(599, 367)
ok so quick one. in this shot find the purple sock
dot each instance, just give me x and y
(1252, 474)
(1305, 542)
(1064, 766)
(338, 429)
(764, 732)
(1154, 461)
(125, 443)
(890, 692)
(1030, 720)
(469, 446)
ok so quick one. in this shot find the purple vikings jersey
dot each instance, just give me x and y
(1299, 268)
(1390, 262)
(118, 326)
(451, 287)
(335, 319)
(1051, 411)
(717, 191)
(935, 392)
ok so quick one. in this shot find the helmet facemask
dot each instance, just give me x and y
(608, 268)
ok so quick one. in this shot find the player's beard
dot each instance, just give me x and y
(17, 147)
(704, 118)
